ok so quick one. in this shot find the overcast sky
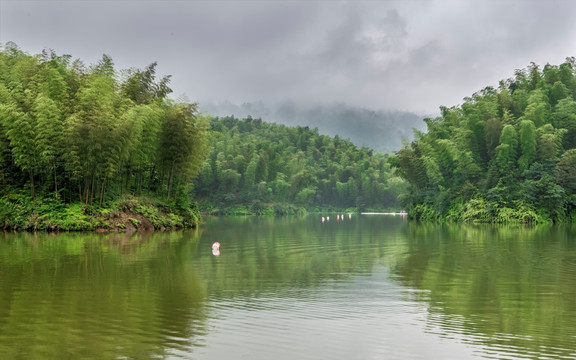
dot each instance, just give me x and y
(410, 55)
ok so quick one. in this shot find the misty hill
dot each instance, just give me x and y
(380, 130)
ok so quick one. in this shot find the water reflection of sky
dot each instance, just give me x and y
(365, 317)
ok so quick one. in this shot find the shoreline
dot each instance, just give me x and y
(127, 215)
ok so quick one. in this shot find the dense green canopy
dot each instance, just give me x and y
(92, 134)
(504, 155)
(254, 164)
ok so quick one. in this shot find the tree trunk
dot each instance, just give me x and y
(32, 185)
(128, 178)
(170, 179)
(86, 190)
(119, 183)
(92, 190)
(55, 182)
(151, 180)
(102, 192)
(139, 177)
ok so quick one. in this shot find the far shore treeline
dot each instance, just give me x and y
(507, 154)
(264, 168)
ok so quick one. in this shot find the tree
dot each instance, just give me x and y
(410, 166)
(565, 113)
(140, 85)
(566, 171)
(20, 131)
(49, 136)
(549, 142)
(250, 174)
(184, 145)
(558, 92)
(527, 144)
(538, 109)
(507, 151)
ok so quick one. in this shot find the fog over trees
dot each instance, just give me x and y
(381, 130)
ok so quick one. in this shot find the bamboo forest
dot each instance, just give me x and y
(74, 139)
(507, 154)
(81, 144)
(254, 163)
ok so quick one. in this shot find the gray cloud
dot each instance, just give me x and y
(408, 55)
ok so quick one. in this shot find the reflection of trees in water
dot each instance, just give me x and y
(92, 295)
(270, 255)
(98, 296)
(513, 288)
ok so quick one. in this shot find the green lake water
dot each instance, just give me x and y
(366, 287)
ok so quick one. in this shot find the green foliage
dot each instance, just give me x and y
(135, 222)
(478, 210)
(83, 136)
(483, 211)
(527, 144)
(566, 171)
(19, 211)
(507, 151)
(22, 212)
(257, 167)
(505, 156)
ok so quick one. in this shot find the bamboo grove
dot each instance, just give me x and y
(507, 154)
(254, 164)
(91, 134)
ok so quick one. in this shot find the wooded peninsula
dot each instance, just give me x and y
(506, 155)
(92, 147)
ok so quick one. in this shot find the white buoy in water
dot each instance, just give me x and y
(216, 248)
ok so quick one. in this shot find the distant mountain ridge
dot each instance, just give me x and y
(381, 130)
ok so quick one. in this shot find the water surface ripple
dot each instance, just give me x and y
(366, 287)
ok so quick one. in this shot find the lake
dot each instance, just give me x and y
(364, 287)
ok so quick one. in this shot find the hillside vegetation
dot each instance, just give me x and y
(507, 154)
(93, 147)
(260, 167)
(381, 130)
(74, 139)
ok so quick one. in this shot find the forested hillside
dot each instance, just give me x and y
(257, 166)
(90, 135)
(507, 154)
(381, 130)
